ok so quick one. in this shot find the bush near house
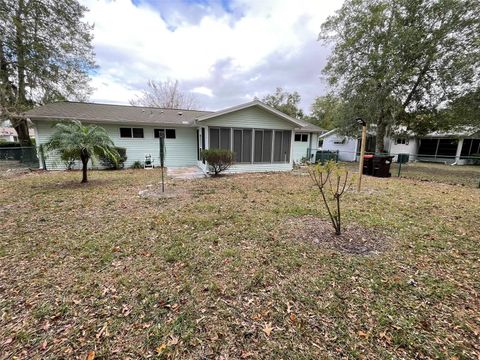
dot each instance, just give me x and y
(110, 164)
(218, 160)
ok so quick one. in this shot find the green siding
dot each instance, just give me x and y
(179, 152)
(253, 117)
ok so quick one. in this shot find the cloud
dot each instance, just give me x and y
(224, 51)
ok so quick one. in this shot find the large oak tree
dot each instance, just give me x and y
(394, 58)
(45, 55)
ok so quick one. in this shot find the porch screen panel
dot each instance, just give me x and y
(247, 146)
(447, 147)
(214, 138)
(287, 135)
(267, 146)
(277, 146)
(428, 147)
(225, 139)
(237, 145)
(258, 148)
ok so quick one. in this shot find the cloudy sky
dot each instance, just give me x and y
(224, 51)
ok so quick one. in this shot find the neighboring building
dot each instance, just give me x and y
(456, 147)
(262, 138)
(9, 134)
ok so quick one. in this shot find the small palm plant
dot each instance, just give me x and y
(82, 142)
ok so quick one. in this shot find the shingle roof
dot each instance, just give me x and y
(106, 113)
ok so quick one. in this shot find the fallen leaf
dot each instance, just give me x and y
(44, 345)
(267, 329)
(173, 341)
(90, 355)
(161, 348)
(363, 334)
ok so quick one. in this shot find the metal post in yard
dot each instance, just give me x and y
(362, 122)
(399, 166)
(161, 139)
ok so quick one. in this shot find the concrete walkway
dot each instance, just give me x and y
(185, 173)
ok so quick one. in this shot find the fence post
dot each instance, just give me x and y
(399, 167)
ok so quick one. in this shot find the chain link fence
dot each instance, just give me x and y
(454, 170)
(16, 157)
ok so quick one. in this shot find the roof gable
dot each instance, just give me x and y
(254, 103)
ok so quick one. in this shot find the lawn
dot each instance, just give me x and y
(217, 271)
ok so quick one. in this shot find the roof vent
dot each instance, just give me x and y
(180, 113)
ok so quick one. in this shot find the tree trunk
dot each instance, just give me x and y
(380, 137)
(84, 159)
(21, 127)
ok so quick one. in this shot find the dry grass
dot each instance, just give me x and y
(208, 273)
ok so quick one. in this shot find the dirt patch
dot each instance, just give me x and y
(355, 239)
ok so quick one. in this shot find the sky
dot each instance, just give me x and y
(225, 52)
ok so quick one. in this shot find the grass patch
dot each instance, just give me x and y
(230, 271)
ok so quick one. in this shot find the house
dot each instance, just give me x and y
(262, 138)
(10, 135)
(454, 147)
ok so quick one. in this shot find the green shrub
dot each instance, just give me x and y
(137, 165)
(218, 160)
(111, 164)
(69, 158)
(10, 144)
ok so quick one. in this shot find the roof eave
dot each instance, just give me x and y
(108, 121)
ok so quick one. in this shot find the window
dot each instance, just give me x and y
(320, 143)
(126, 132)
(263, 146)
(281, 146)
(401, 141)
(220, 138)
(131, 132)
(340, 141)
(301, 137)
(169, 133)
(137, 132)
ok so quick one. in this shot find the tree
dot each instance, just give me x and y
(45, 55)
(327, 112)
(82, 142)
(285, 102)
(165, 94)
(331, 180)
(393, 58)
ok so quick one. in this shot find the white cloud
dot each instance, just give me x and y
(203, 90)
(204, 45)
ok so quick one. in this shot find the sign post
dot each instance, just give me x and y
(161, 138)
(362, 122)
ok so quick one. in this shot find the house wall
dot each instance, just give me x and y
(346, 151)
(300, 149)
(253, 117)
(410, 148)
(180, 151)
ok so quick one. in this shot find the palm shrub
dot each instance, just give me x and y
(83, 142)
(218, 160)
(115, 164)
